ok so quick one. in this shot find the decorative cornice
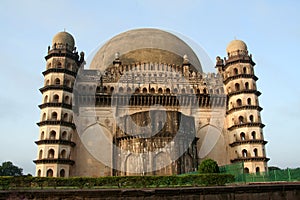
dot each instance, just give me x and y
(59, 70)
(247, 124)
(257, 93)
(240, 76)
(63, 105)
(49, 141)
(238, 59)
(54, 161)
(249, 159)
(56, 87)
(246, 107)
(56, 122)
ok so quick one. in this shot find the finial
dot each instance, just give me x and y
(185, 59)
(64, 29)
(117, 56)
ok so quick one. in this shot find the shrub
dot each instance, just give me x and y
(208, 166)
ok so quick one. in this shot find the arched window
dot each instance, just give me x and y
(67, 99)
(235, 71)
(41, 154)
(51, 153)
(42, 135)
(198, 91)
(160, 90)
(68, 83)
(239, 102)
(68, 66)
(62, 173)
(168, 91)
(112, 89)
(137, 90)
(46, 99)
(183, 91)
(175, 90)
(152, 90)
(47, 82)
(255, 152)
(144, 90)
(49, 173)
(63, 154)
(251, 118)
(257, 169)
(57, 81)
(44, 117)
(249, 101)
(204, 91)
(59, 65)
(54, 116)
(247, 86)
(55, 98)
(105, 89)
(245, 70)
(129, 90)
(64, 135)
(246, 170)
(237, 86)
(253, 135)
(244, 153)
(65, 117)
(121, 90)
(49, 66)
(243, 136)
(39, 173)
(241, 119)
(52, 135)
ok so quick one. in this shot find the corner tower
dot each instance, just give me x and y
(56, 123)
(243, 120)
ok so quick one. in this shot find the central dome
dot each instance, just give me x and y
(145, 45)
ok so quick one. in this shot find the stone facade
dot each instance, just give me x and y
(146, 108)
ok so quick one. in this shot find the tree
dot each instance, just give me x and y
(208, 166)
(8, 169)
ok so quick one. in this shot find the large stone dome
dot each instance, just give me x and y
(145, 45)
(63, 38)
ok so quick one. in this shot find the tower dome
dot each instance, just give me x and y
(235, 45)
(63, 38)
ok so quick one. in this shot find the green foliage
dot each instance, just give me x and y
(273, 168)
(8, 169)
(115, 181)
(208, 166)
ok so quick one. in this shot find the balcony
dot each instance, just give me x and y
(249, 159)
(247, 124)
(245, 91)
(56, 87)
(246, 107)
(60, 142)
(59, 70)
(240, 76)
(54, 161)
(56, 122)
(53, 104)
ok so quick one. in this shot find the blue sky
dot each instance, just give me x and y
(271, 30)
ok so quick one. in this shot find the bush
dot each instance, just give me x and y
(208, 166)
(116, 181)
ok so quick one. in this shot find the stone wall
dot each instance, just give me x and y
(246, 192)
